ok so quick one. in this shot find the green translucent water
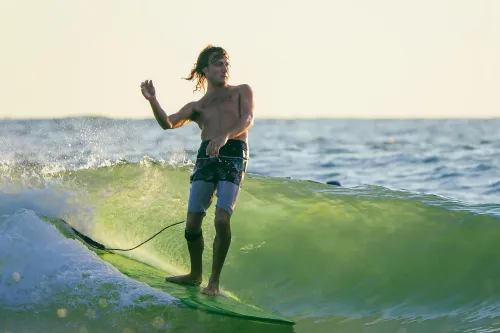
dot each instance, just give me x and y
(330, 259)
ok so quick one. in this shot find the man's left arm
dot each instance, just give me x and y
(246, 108)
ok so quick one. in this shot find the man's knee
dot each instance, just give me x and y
(192, 236)
(193, 226)
(222, 219)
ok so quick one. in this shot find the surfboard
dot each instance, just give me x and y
(189, 296)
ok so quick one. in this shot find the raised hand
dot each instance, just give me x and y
(148, 90)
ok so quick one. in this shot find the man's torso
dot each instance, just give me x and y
(218, 113)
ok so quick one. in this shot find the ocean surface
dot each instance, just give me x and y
(408, 243)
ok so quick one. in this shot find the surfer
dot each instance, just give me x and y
(224, 115)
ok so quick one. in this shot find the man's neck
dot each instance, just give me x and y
(215, 89)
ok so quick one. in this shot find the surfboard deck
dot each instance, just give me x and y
(190, 296)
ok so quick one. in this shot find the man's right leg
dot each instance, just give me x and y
(194, 237)
(200, 198)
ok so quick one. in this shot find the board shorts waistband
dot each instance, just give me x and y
(233, 149)
(230, 165)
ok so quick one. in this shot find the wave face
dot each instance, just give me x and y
(337, 259)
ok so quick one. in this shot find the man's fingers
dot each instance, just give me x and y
(211, 150)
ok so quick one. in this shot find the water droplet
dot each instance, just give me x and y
(16, 276)
(62, 313)
(158, 322)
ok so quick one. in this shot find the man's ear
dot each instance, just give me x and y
(205, 70)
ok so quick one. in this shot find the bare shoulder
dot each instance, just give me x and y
(246, 100)
(244, 89)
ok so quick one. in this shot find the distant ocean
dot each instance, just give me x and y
(408, 243)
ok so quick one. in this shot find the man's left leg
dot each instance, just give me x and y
(227, 194)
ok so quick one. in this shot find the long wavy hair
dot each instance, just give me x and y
(202, 62)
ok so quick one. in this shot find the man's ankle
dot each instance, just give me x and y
(213, 280)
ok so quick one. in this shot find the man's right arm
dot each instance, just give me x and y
(176, 120)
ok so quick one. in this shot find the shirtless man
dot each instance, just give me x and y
(224, 115)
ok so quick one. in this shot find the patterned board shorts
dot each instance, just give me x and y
(221, 175)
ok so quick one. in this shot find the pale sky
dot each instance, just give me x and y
(328, 58)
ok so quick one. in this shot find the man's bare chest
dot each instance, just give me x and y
(225, 105)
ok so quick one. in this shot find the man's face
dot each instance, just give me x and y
(217, 71)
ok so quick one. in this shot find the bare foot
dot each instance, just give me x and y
(212, 289)
(184, 279)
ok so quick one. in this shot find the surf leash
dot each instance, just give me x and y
(99, 246)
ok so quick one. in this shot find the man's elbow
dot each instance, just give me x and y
(166, 124)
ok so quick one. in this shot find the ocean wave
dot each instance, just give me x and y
(310, 251)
